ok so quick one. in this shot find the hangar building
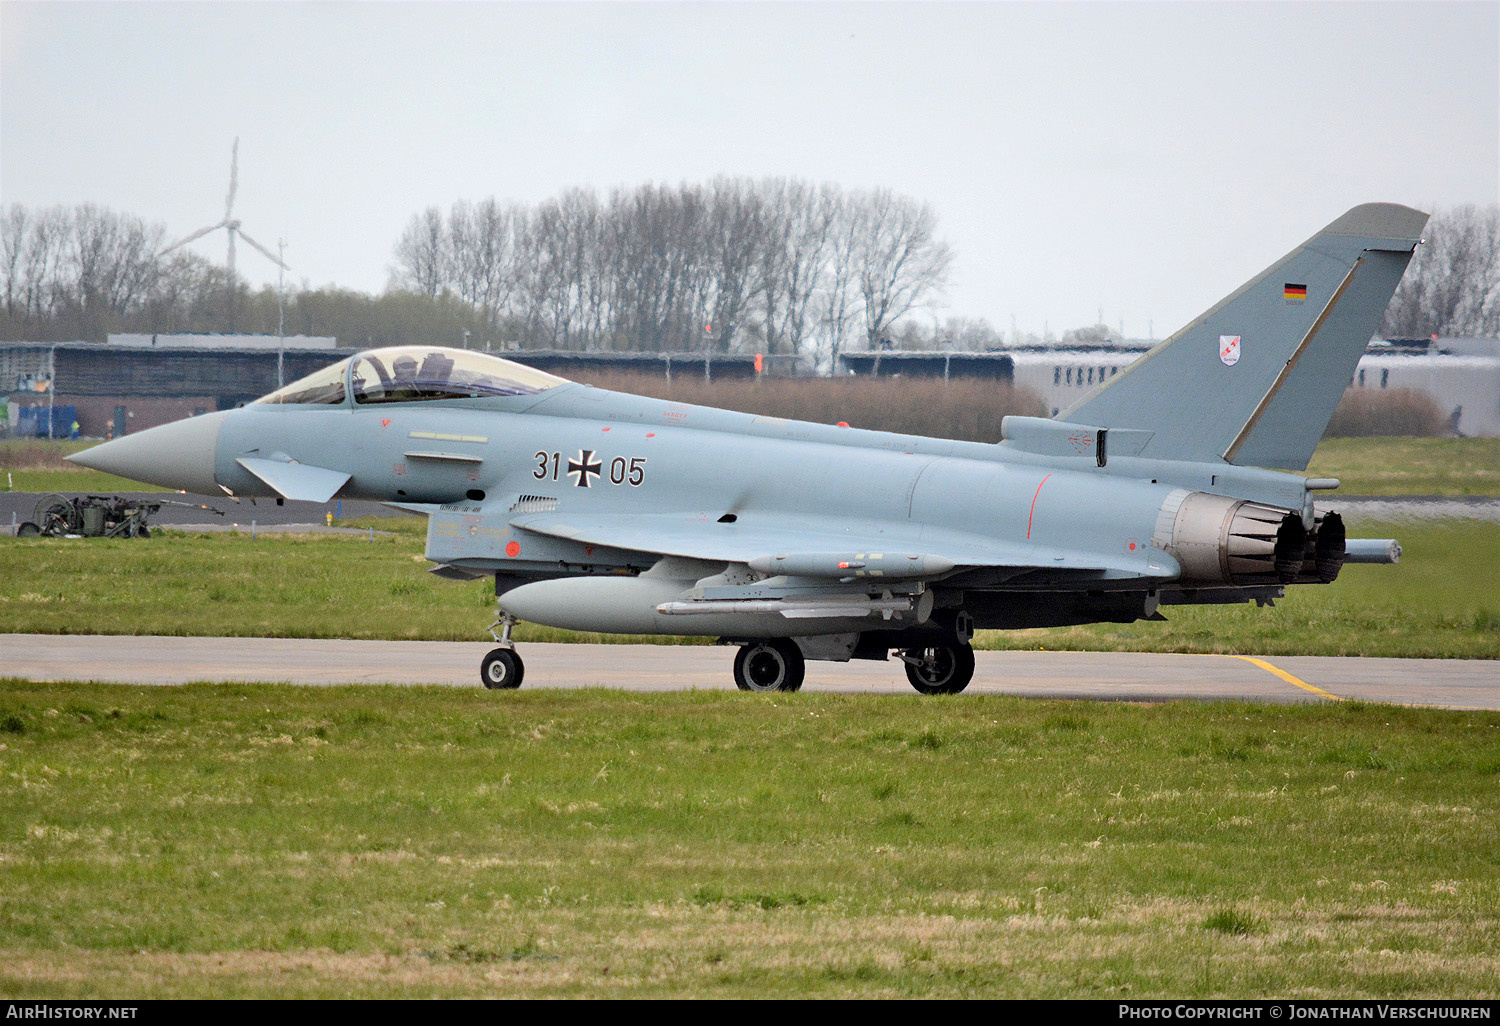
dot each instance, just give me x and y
(1462, 375)
(133, 382)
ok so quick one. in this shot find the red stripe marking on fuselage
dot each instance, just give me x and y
(1032, 515)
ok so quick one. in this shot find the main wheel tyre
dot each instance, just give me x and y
(28, 530)
(502, 668)
(940, 669)
(775, 665)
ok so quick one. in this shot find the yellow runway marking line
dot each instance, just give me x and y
(1277, 671)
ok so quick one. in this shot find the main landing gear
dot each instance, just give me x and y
(502, 668)
(777, 664)
(943, 669)
(772, 665)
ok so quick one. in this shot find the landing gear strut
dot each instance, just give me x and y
(773, 665)
(502, 668)
(942, 669)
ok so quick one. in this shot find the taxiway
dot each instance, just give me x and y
(1139, 677)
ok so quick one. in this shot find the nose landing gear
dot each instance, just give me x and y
(503, 667)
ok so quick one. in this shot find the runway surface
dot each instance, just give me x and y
(1140, 677)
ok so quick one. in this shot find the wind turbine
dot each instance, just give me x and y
(230, 223)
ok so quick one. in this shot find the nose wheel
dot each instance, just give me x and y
(503, 667)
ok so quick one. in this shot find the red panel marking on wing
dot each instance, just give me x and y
(1032, 514)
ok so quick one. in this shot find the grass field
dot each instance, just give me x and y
(282, 841)
(1441, 601)
(1410, 466)
(1367, 466)
(225, 584)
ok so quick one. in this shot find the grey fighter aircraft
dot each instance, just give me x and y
(600, 511)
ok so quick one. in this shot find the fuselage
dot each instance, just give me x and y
(649, 457)
(529, 477)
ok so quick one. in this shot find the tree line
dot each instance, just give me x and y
(773, 265)
(81, 273)
(78, 270)
(776, 266)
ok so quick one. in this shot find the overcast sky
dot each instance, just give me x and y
(1140, 157)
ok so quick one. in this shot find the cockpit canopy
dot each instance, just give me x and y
(320, 387)
(404, 374)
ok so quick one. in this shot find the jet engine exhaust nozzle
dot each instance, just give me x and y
(1219, 540)
(1325, 554)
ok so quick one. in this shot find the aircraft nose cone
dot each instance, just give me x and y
(175, 455)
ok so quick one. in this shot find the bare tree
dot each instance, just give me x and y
(481, 254)
(809, 242)
(840, 297)
(564, 230)
(972, 335)
(41, 289)
(112, 263)
(70, 273)
(736, 241)
(1474, 260)
(15, 227)
(901, 261)
(187, 294)
(661, 281)
(582, 246)
(1453, 284)
(799, 222)
(421, 254)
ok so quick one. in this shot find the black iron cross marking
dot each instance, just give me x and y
(580, 469)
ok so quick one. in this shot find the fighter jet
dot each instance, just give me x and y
(1173, 482)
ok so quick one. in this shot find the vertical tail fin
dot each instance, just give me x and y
(1254, 381)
